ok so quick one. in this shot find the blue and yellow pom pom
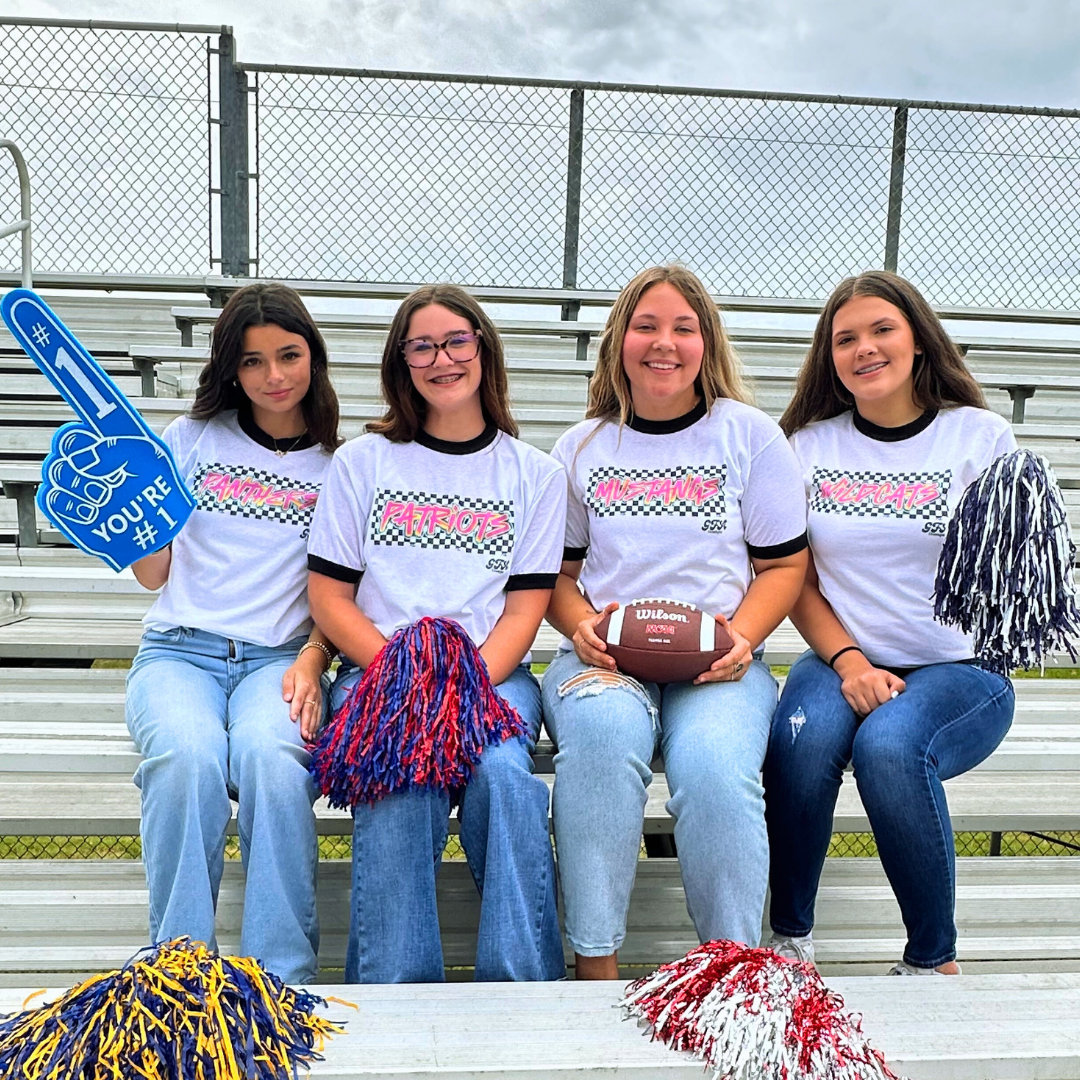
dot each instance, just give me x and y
(175, 1012)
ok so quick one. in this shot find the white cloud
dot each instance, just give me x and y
(938, 49)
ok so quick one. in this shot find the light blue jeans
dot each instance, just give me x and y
(398, 848)
(606, 729)
(206, 714)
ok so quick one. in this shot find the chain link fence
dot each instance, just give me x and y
(528, 185)
(844, 845)
(761, 198)
(113, 125)
(381, 180)
(143, 162)
(991, 208)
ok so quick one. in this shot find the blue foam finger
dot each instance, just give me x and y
(109, 484)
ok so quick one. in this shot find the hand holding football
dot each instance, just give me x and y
(663, 641)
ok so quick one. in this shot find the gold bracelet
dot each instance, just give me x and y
(322, 648)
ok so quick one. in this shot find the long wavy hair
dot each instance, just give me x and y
(406, 409)
(940, 378)
(610, 397)
(267, 304)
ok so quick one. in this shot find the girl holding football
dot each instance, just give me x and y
(678, 490)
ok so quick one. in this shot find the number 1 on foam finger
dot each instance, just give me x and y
(63, 362)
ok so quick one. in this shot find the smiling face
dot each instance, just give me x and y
(448, 386)
(661, 353)
(275, 373)
(874, 352)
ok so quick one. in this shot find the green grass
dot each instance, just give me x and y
(844, 845)
(1049, 673)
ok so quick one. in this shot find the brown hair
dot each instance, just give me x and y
(406, 408)
(720, 376)
(940, 379)
(267, 304)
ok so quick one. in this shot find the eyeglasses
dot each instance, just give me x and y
(421, 353)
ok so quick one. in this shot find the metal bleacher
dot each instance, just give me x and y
(67, 760)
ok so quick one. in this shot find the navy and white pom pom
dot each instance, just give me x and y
(1005, 573)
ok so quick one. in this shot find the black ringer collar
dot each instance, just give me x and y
(445, 446)
(252, 430)
(892, 434)
(669, 427)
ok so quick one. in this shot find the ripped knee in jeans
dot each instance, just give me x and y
(594, 681)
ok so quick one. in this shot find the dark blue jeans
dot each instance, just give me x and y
(950, 717)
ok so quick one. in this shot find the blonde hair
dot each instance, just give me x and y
(721, 374)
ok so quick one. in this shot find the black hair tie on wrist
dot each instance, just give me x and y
(836, 656)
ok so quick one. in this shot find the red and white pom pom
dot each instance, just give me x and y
(753, 1015)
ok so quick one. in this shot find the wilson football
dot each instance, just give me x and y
(663, 641)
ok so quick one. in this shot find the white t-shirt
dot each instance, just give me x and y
(440, 528)
(239, 565)
(877, 520)
(675, 509)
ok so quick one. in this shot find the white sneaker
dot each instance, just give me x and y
(793, 948)
(910, 969)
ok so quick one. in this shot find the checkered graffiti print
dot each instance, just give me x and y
(920, 496)
(690, 491)
(420, 519)
(253, 493)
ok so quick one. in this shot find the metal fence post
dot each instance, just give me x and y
(896, 187)
(233, 156)
(573, 203)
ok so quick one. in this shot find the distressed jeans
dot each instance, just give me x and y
(206, 714)
(398, 848)
(950, 717)
(607, 728)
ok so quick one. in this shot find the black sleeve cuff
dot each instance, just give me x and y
(574, 554)
(334, 570)
(520, 582)
(779, 551)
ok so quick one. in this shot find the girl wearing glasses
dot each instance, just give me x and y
(678, 490)
(439, 510)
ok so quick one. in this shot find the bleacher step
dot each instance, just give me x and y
(67, 915)
(1000, 1027)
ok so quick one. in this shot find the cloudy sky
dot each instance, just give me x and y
(990, 51)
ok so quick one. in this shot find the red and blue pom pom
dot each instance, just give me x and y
(419, 717)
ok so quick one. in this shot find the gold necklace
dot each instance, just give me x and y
(282, 453)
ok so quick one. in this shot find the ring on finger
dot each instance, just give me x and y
(738, 667)
(310, 701)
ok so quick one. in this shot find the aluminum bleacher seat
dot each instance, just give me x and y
(67, 760)
(1003, 1027)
